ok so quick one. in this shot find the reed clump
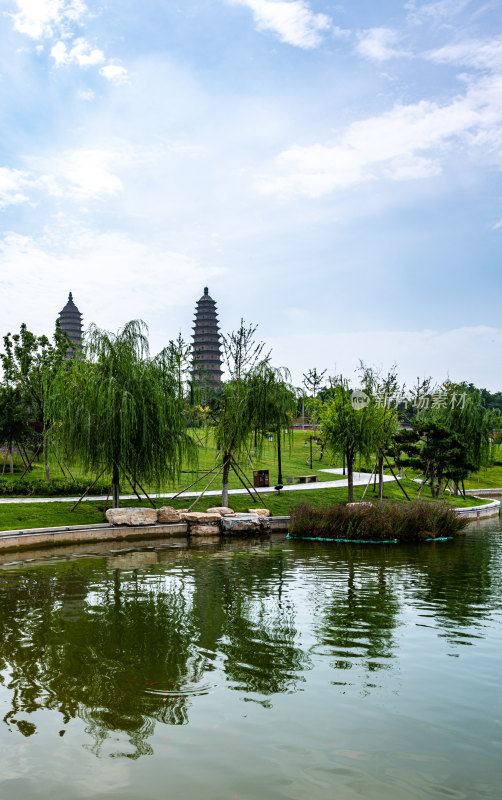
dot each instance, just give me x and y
(415, 521)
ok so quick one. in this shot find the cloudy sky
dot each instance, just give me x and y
(332, 171)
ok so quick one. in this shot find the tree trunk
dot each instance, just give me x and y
(255, 451)
(46, 458)
(116, 487)
(456, 489)
(380, 477)
(350, 479)
(11, 463)
(226, 470)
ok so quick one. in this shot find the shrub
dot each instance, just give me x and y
(58, 487)
(415, 521)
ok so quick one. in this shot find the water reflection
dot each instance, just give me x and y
(128, 641)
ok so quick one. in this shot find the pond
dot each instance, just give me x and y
(254, 669)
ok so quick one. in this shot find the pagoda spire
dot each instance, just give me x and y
(206, 347)
(70, 320)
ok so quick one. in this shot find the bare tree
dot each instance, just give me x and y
(242, 351)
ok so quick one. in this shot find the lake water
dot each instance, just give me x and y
(267, 669)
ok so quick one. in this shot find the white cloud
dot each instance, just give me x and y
(293, 21)
(379, 44)
(80, 53)
(85, 94)
(497, 226)
(437, 12)
(51, 19)
(477, 53)
(102, 270)
(42, 18)
(83, 174)
(13, 185)
(407, 142)
(467, 353)
(114, 73)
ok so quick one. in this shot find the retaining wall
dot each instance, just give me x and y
(105, 532)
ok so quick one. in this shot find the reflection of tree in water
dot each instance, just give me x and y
(95, 658)
(245, 612)
(124, 651)
(461, 580)
(358, 617)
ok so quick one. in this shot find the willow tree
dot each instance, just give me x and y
(119, 411)
(272, 401)
(257, 400)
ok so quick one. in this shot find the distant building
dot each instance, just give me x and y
(70, 319)
(206, 343)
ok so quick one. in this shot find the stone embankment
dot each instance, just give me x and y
(213, 522)
(142, 523)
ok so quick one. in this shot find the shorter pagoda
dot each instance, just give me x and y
(70, 320)
(206, 343)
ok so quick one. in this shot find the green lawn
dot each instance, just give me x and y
(40, 515)
(295, 461)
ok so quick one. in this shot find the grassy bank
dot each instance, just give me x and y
(41, 515)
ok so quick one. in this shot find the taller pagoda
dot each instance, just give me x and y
(206, 343)
(70, 320)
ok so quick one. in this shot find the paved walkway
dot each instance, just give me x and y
(360, 479)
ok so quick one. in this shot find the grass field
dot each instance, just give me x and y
(40, 515)
(295, 461)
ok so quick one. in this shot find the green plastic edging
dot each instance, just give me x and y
(361, 541)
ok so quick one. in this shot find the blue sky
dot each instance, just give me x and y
(331, 170)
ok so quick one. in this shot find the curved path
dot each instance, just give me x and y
(360, 479)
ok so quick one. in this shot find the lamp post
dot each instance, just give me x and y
(279, 462)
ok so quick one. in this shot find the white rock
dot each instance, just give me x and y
(199, 518)
(168, 515)
(132, 516)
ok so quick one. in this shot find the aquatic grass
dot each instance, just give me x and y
(415, 521)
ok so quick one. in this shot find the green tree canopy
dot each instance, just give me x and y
(119, 411)
(29, 363)
(347, 430)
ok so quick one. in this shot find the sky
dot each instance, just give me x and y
(331, 171)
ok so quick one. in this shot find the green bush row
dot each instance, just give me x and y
(58, 487)
(405, 522)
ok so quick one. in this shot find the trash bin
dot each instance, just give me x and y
(260, 477)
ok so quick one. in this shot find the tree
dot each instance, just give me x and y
(13, 421)
(346, 430)
(120, 411)
(436, 451)
(456, 434)
(29, 363)
(272, 400)
(312, 382)
(242, 352)
(463, 412)
(258, 401)
(387, 390)
(234, 419)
